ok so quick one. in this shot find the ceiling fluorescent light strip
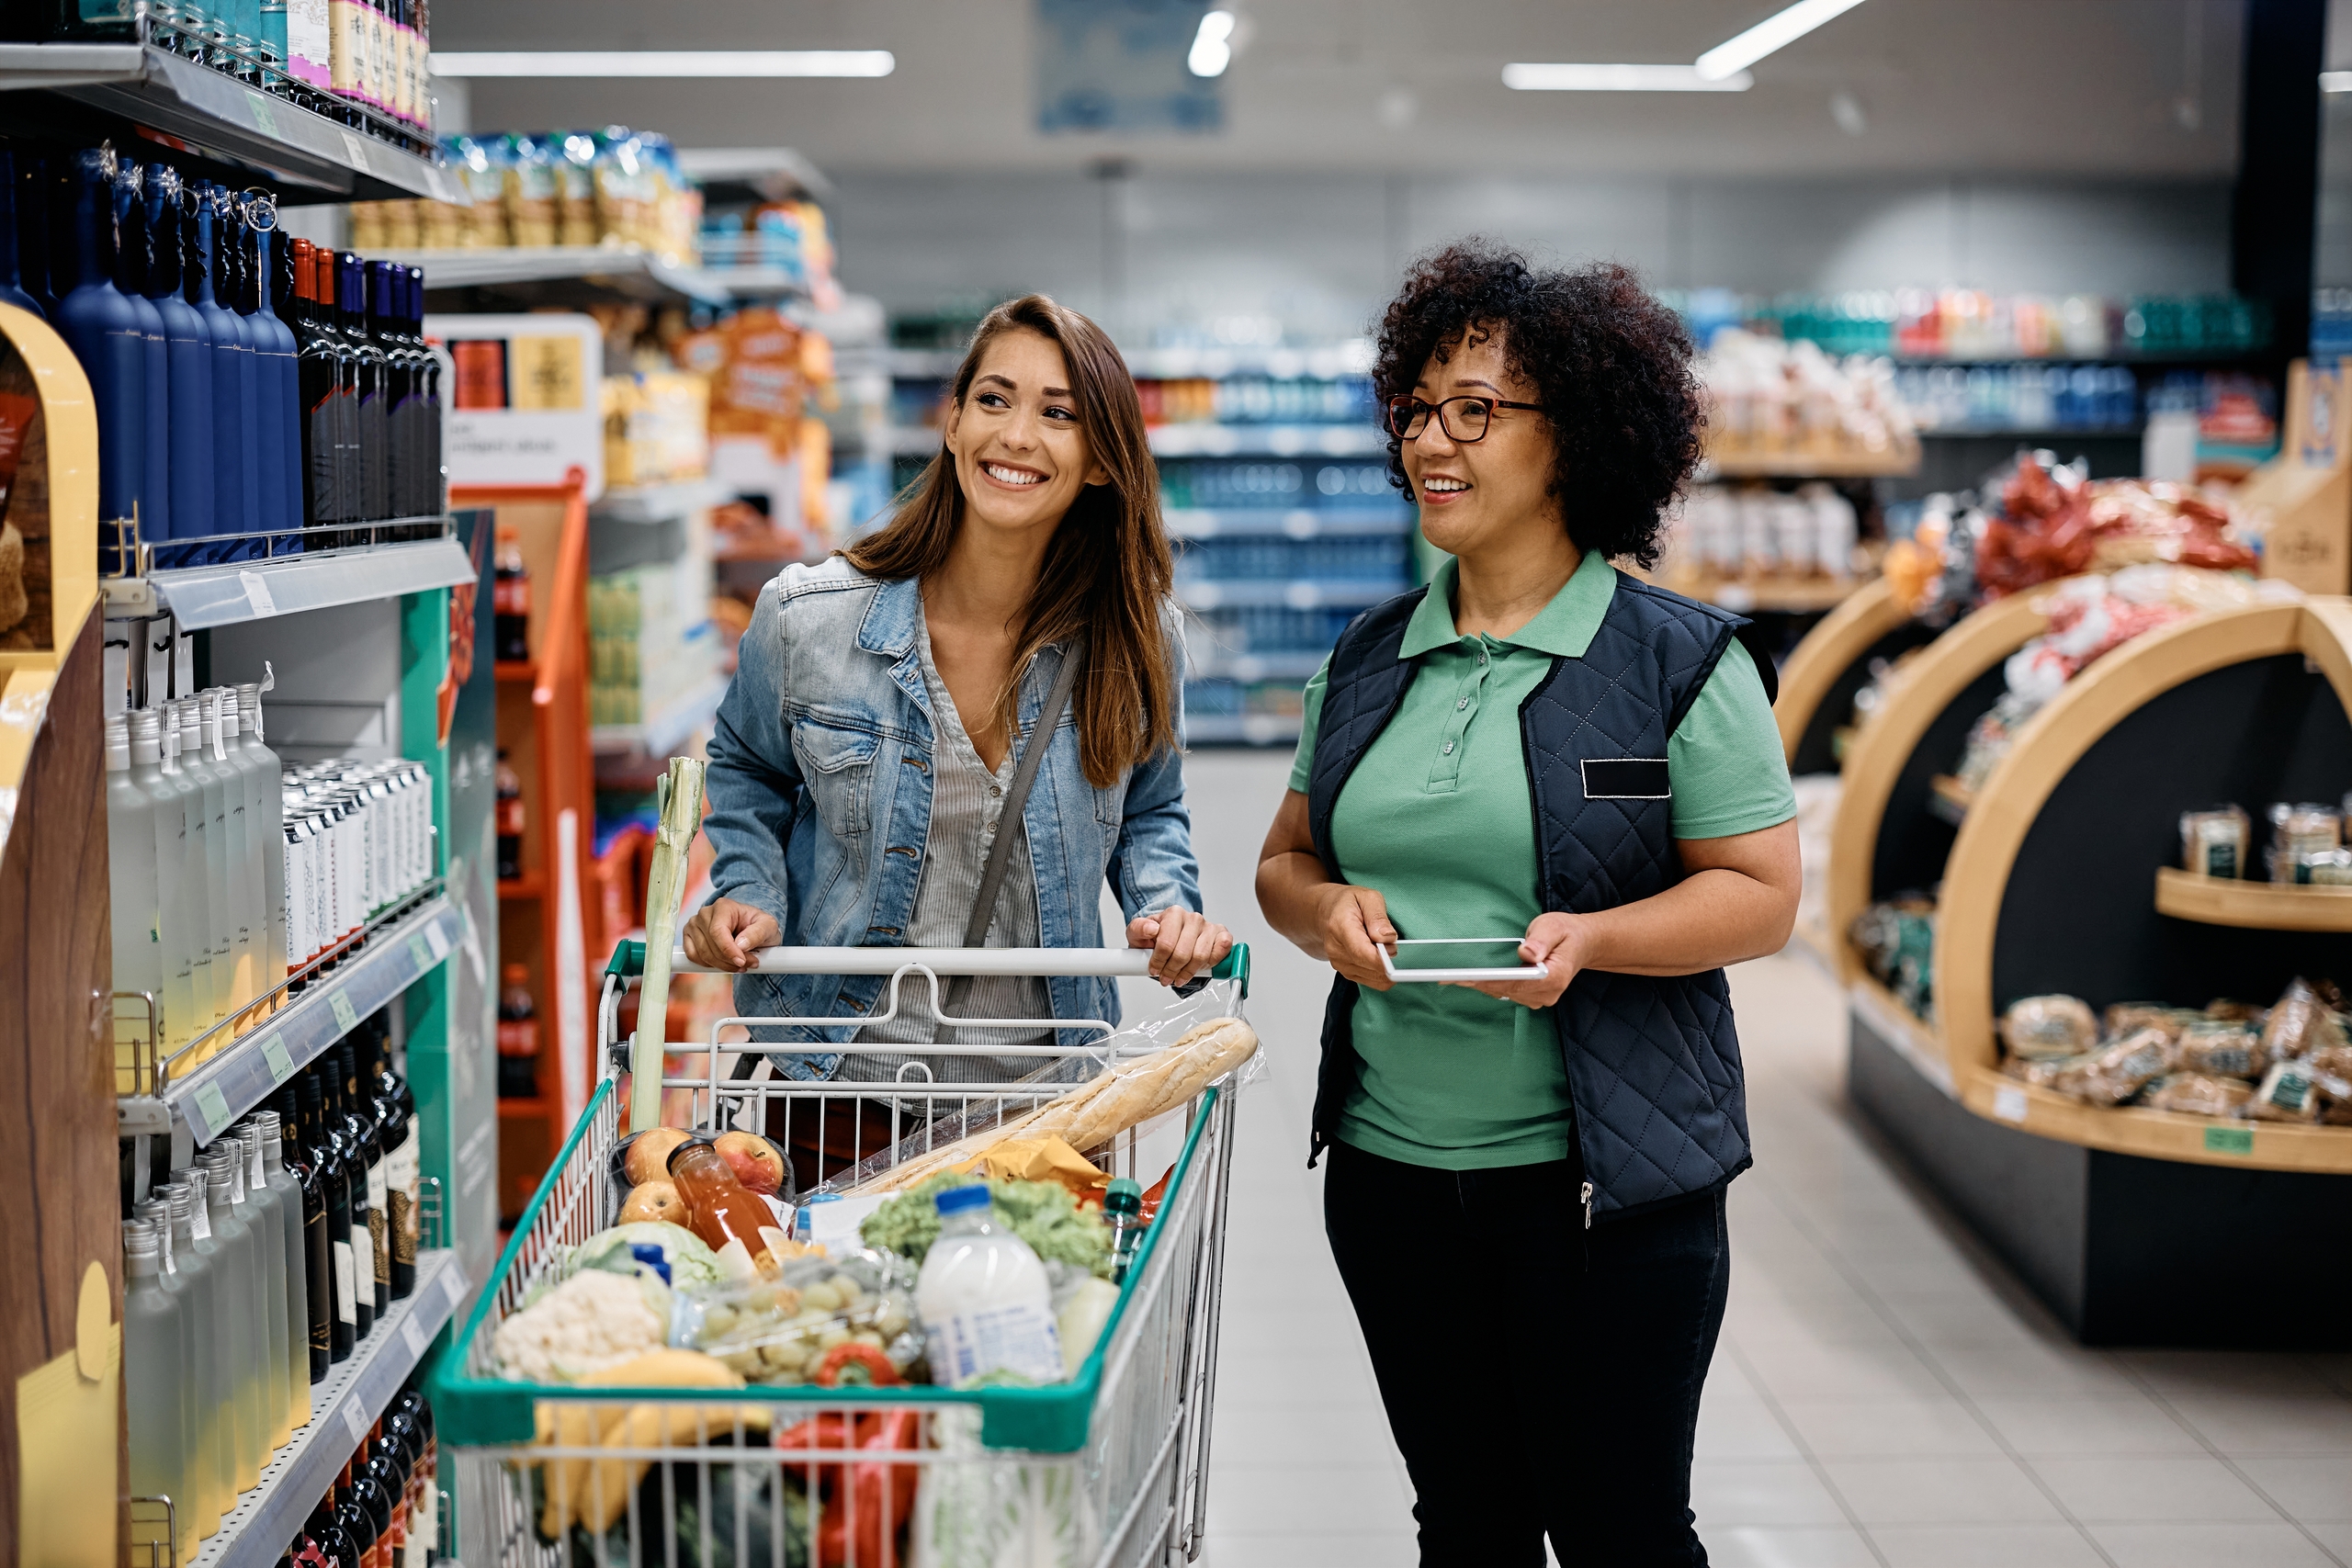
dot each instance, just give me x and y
(1773, 32)
(1564, 78)
(837, 63)
(2336, 81)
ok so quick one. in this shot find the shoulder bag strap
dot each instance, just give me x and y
(1033, 757)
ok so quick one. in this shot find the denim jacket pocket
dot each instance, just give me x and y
(837, 764)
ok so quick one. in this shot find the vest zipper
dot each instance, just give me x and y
(1586, 1196)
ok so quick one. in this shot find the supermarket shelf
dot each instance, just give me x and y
(657, 503)
(1325, 363)
(623, 270)
(666, 730)
(1809, 466)
(1268, 441)
(530, 884)
(1259, 667)
(1296, 594)
(2253, 906)
(2024, 433)
(1949, 799)
(780, 548)
(1189, 522)
(1783, 595)
(204, 111)
(1242, 729)
(910, 440)
(354, 1392)
(205, 597)
(2110, 357)
(209, 1096)
(923, 364)
(518, 672)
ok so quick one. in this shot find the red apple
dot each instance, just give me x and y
(754, 1159)
(647, 1157)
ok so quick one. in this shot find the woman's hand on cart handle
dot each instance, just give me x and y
(723, 934)
(1554, 940)
(1355, 927)
(1182, 943)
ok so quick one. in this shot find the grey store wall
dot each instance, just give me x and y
(1317, 252)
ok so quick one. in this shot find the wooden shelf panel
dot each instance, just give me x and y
(2254, 905)
(2159, 1134)
(1810, 466)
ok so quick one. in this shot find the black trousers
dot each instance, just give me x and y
(1540, 1377)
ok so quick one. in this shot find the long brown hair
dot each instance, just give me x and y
(1106, 577)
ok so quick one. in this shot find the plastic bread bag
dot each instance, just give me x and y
(2129, 1018)
(2288, 1094)
(2197, 1094)
(2217, 1048)
(2214, 843)
(2043, 1028)
(972, 1513)
(2116, 1073)
(2297, 830)
(1142, 1072)
(2323, 868)
(2301, 1023)
(827, 1321)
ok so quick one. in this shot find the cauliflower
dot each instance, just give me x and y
(592, 1321)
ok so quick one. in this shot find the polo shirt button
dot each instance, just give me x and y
(1461, 703)
(1449, 747)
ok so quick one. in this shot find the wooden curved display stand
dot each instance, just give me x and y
(2138, 1227)
(1830, 663)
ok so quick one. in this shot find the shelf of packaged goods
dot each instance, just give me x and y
(354, 1392)
(2253, 906)
(1241, 729)
(2091, 356)
(1191, 523)
(1297, 594)
(230, 592)
(910, 440)
(1783, 596)
(1949, 799)
(530, 884)
(1268, 441)
(193, 108)
(665, 730)
(2032, 432)
(621, 269)
(1325, 362)
(518, 672)
(1895, 464)
(1259, 666)
(248, 1067)
(657, 503)
(783, 549)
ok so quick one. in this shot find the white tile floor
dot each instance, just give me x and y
(1883, 1394)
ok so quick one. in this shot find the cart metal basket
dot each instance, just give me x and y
(1110, 1467)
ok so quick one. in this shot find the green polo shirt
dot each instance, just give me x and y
(1437, 817)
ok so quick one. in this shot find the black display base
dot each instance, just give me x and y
(2124, 1249)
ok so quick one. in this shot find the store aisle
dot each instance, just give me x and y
(1884, 1394)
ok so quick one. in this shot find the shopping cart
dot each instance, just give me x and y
(1108, 1468)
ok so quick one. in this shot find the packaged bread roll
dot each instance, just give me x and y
(2300, 1023)
(2197, 1094)
(2288, 1094)
(2116, 1073)
(2040, 1028)
(2219, 1049)
(2213, 841)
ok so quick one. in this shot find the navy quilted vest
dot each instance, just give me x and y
(1653, 1063)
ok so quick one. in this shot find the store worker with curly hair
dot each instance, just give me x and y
(1537, 745)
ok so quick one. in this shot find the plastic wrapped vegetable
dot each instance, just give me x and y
(1042, 1213)
(979, 1514)
(690, 1262)
(786, 1331)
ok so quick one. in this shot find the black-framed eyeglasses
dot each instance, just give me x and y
(1463, 419)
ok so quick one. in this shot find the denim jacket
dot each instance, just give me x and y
(820, 789)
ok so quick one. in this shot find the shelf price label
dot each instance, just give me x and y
(213, 1106)
(419, 953)
(414, 1336)
(346, 1017)
(2009, 1103)
(281, 1062)
(257, 593)
(2229, 1140)
(437, 940)
(265, 117)
(355, 1419)
(357, 150)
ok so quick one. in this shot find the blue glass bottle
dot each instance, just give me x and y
(130, 278)
(230, 235)
(232, 500)
(273, 369)
(187, 342)
(282, 404)
(11, 291)
(103, 330)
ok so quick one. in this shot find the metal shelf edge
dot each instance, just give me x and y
(342, 1407)
(206, 596)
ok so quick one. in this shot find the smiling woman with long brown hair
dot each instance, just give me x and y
(883, 700)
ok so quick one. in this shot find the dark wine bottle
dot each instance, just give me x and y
(317, 1261)
(11, 290)
(38, 193)
(187, 342)
(374, 402)
(201, 226)
(315, 367)
(104, 332)
(334, 1543)
(375, 1267)
(155, 379)
(329, 1146)
(433, 496)
(349, 491)
(400, 1135)
(357, 1522)
(387, 332)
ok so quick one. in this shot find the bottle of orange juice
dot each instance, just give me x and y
(732, 1219)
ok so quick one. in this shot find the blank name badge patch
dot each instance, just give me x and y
(1625, 778)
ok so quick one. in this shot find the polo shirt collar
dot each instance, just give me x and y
(1562, 629)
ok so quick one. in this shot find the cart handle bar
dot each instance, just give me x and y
(628, 961)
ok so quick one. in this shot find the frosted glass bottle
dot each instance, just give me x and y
(284, 1187)
(209, 799)
(241, 1295)
(250, 829)
(154, 1382)
(166, 850)
(243, 867)
(195, 1263)
(265, 1215)
(270, 772)
(155, 1210)
(194, 877)
(131, 874)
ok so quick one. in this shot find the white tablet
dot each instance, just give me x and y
(1459, 958)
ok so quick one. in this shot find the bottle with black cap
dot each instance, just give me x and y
(333, 1152)
(367, 1237)
(318, 1257)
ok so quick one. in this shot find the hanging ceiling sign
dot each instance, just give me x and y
(1119, 66)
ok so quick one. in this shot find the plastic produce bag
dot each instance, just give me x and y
(827, 1321)
(971, 1512)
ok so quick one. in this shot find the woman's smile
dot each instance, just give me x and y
(1441, 490)
(1012, 476)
